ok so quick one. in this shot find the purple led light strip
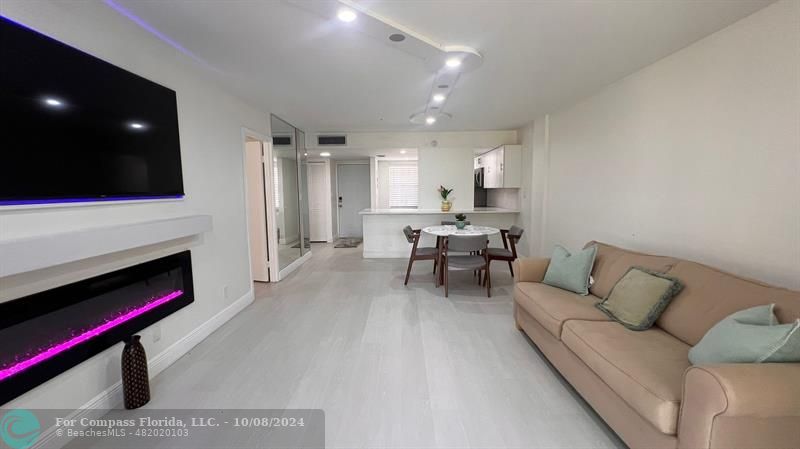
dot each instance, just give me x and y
(74, 341)
(86, 200)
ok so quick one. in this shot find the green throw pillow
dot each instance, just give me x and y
(570, 271)
(639, 297)
(749, 336)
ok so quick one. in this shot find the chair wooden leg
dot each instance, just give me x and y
(488, 264)
(408, 271)
(488, 282)
(436, 275)
(511, 268)
(446, 281)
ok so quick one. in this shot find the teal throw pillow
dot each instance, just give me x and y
(749, 336)
(571, 271)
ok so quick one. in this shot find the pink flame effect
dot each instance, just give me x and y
(91, 333)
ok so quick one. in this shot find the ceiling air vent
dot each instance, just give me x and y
(331, 140)
(282, 140)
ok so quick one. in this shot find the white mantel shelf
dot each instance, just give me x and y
(477, 210)
(42, 251)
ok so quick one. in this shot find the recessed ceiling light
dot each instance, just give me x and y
(346, 15)
(52, 102)
(325, 154)
(453, 63)
(429, 116)
(136, 125)
(438, 98)
(397, 37)
(402, 151)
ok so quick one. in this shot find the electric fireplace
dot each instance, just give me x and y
(45, 334)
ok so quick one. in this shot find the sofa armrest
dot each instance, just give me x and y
(740, 405)
(530, 269)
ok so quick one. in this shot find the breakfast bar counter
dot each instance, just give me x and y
(383, 228)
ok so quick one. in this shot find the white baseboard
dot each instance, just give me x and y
(170, 355)
(293, 266)
(112, 396)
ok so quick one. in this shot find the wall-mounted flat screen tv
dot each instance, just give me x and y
(75, 128)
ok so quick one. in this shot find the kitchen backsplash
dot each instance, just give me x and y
(505, 198)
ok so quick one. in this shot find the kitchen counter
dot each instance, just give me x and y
(477, 210)
(383, 228)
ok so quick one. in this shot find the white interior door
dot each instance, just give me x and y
(352, 182)
(256, 211)
(319, 204)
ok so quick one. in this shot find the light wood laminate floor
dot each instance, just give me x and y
(392, 366)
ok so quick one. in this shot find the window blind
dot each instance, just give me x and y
(403, 186)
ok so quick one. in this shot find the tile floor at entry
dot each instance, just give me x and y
(392, 366)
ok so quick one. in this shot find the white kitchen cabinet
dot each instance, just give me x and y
(502, 167)
(490, 170)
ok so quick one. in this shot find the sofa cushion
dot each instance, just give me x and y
(570, 271)
(639, 298)
(644, 368)
(552, 306)
(611, 263)
(709, 295)
(749, 336)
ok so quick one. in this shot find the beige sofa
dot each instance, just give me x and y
(642, 383)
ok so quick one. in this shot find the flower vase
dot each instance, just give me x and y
(446, 205)
(460, 224)
(135, 381)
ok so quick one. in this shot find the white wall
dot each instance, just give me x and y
(535, 166)
(696, 156)
(506, 198)
(212, 151)
(525, 219)
(448, 167)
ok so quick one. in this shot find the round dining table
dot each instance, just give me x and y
(448, 230)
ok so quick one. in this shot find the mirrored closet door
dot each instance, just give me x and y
(289, 192)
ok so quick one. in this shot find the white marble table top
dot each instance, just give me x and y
(445, 230)
(477, 210)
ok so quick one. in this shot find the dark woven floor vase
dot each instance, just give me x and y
(135, 382)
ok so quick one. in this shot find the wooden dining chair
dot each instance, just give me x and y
(471, 262)
(417, 252)
(508, 253)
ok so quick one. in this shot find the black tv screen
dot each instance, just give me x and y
(76, 128)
